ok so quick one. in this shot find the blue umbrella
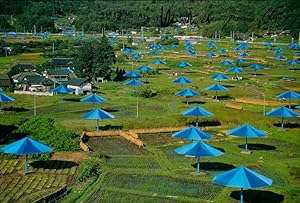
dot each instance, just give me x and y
(255, 67)
(187, 92)
(192, 133)
(158, 62)
(243, 54)
(97, 114)
(222, 51)
(5, 98)
(276, 51)
(211, 55)
(183, 64)
(174, 46)
(216, 87)
(128, 50)
(62, 90)
(247, 131)
(198, 149)
(136, 55)
(154, 51)
(219, 77)
(192, 52)
(280, 58)
(227, 63)
(297, 107)
(242, 177)
(297, 54)
(93, 98)
(196, 111)
(144, 68)
(132, 74)
(289, 95)
(235, 70)
(135, 82)
(293, 62)
(26, 146)
(182, 80)
(241, 60)
(282, 112)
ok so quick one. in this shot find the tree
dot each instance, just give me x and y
(95, 59)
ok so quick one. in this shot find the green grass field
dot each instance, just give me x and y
(155, 173)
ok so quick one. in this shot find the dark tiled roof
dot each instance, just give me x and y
(37, 80)
(60, 71)
(62, 62)
(5, 81)
(21, 76)
(25, 66)
(76, 81)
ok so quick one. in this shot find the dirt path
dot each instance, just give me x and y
(70, 156)
(259, 102)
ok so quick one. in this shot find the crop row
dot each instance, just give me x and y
(168, 186)
(16, 186)
(9, 166)
(133, 162)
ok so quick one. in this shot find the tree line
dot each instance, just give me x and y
(208, 16)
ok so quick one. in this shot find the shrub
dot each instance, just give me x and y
(147, 92)
(42, 129)
(87, 168)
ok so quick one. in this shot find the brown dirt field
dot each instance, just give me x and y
(258, 60)
(258, 102)
(70, 156)
(295, 89)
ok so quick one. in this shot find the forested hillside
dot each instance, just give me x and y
(93, 15)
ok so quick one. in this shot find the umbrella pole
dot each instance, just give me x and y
(26, 164)
(282, 122)
(97, 126)
(197, 122)
(289, 103)
(242, 198)
(137, 107)
(198, 165)
(216, 95)
(246, 145)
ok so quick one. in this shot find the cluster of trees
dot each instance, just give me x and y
(94, 59)
(208, 16)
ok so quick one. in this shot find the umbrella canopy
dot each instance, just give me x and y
(144, 68)
(255, 67)
(5, 98)
(210, 55)
(241, 60)
(280, 58)
(219, 77)
(128, 50)
(235, 70)
(192, 133)
(282, 112)
(136, 55)
(197, 111)
(289, 95)
(183, 64)
(97, 114)
(242, 177)
(198, 149)
(26, 146)
(154, 51)
(276, 51)
(227, 63)
(243, 54)
(293, 63)
(247, 131)
(187, 92)
(182, 80)
(93, 98)
(133, 82)
(158, 62)
(222, 51)
(216, 87)
(132, 74)
(62, 90)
